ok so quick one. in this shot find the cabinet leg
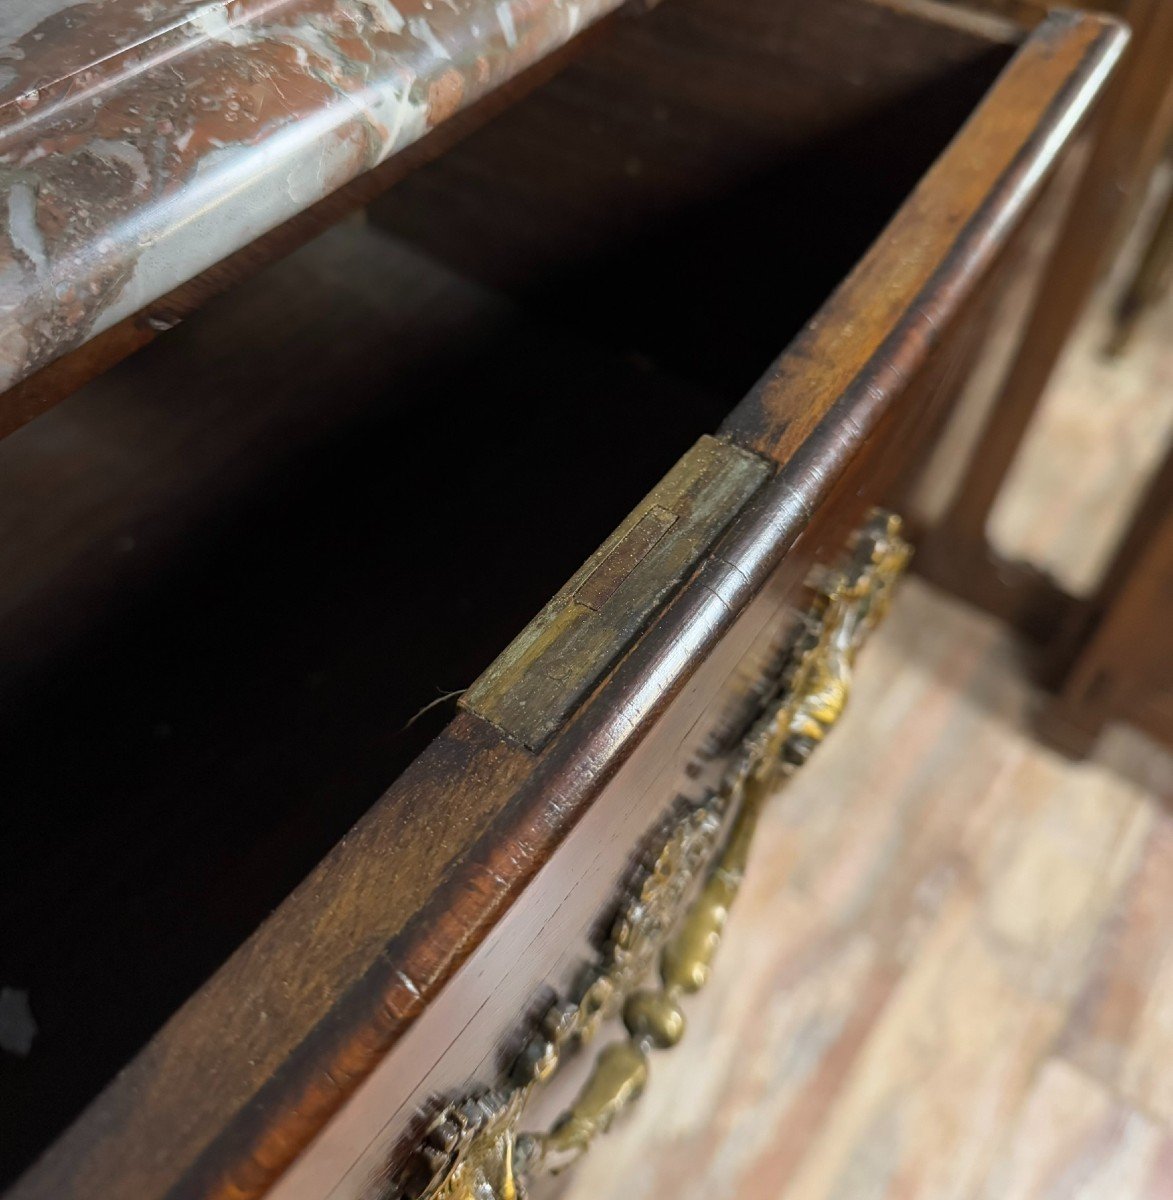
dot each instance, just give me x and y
(1068, 728)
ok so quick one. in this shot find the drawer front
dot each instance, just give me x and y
(720, 665)
(715, 628)
(668, 839)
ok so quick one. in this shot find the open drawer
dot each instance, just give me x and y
(241, 566)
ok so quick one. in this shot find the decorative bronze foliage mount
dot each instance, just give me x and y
(674, 917)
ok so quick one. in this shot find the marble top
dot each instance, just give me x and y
(141, 141)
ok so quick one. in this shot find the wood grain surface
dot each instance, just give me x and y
(296, 1031)
(942, 239)
(1128, 144)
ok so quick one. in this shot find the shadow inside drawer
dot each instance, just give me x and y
(236, 571)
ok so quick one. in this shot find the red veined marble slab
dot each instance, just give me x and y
(142, 141)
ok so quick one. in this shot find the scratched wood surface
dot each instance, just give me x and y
(293, 1027)
(948, 974)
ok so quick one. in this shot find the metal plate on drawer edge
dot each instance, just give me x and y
(551, 666)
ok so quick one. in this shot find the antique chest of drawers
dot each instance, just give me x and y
(760, 241)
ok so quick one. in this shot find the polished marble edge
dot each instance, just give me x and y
(142, 141)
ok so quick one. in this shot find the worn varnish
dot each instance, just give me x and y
(531, 690)
(380, 985)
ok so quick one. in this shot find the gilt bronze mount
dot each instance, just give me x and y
(674, 917)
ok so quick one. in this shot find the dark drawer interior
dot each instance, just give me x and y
(235, 571)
